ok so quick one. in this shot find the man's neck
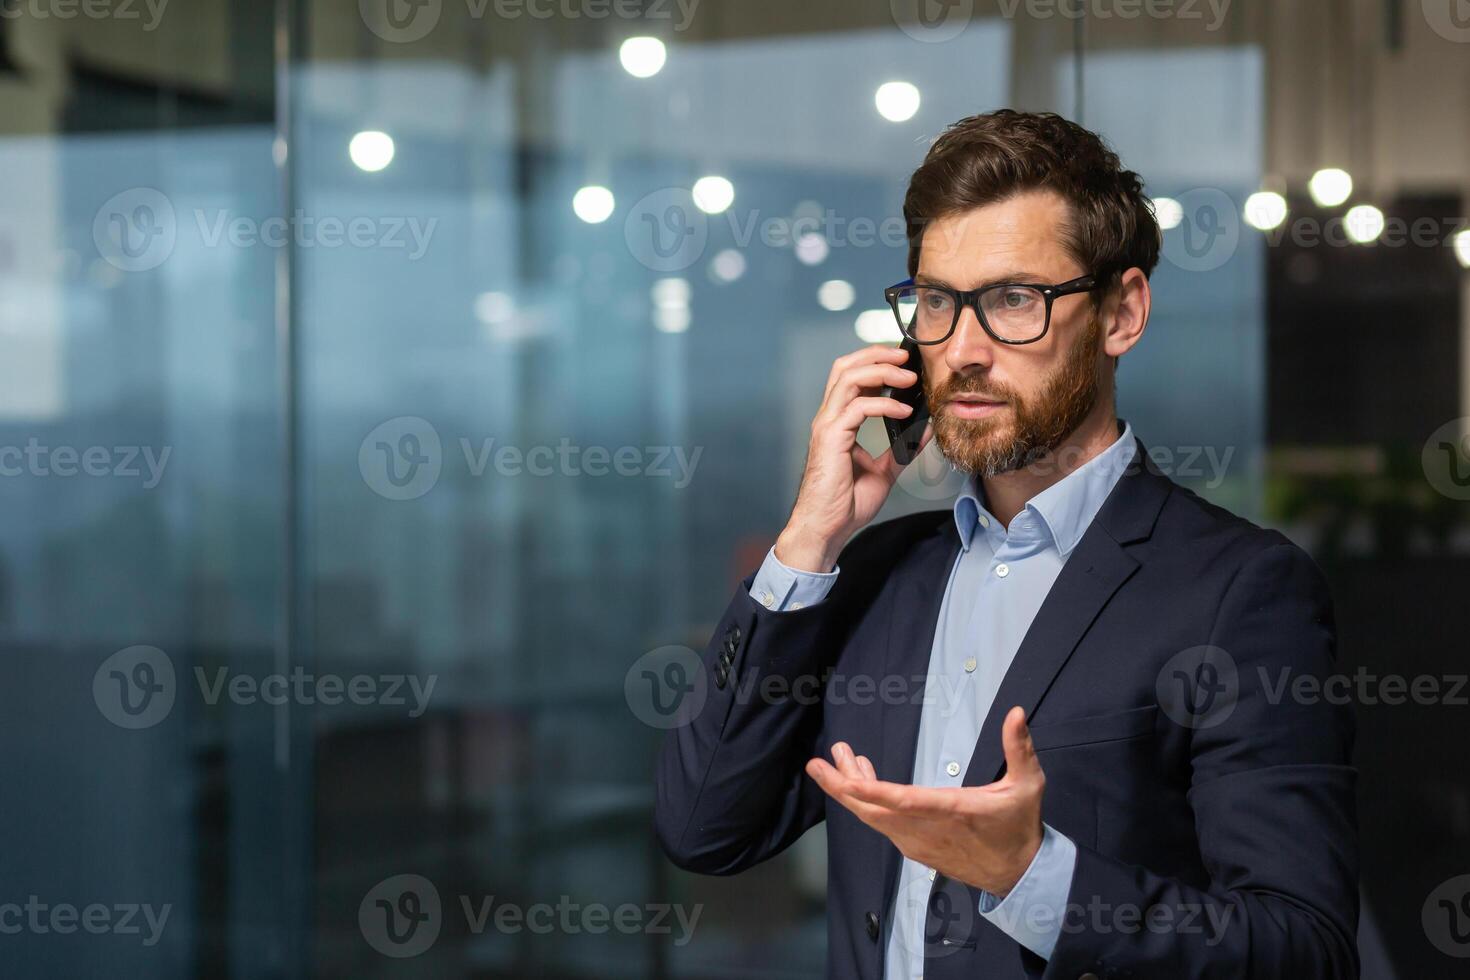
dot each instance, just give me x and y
(1006, 493)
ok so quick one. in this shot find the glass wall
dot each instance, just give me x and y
(389, 390)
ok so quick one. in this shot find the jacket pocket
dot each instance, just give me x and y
(1098, 728)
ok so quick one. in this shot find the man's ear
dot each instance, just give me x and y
(1129, 315)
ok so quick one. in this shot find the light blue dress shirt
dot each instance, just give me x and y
(995, 588)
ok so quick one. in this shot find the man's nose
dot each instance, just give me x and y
(969, 347)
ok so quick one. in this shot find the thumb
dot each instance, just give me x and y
(1015, 737)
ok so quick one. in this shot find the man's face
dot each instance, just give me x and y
(997, 407)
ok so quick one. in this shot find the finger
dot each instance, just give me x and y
(872, 354)
(846, 761)
(866, 766)
(860, 409)
(1015, 737)
(839, 787)
(865, 379)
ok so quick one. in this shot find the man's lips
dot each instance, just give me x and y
(974, 406)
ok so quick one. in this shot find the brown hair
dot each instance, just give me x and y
(987, 158)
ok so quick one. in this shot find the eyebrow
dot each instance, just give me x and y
(1012, 275)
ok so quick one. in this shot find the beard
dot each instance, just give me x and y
(1034, 427)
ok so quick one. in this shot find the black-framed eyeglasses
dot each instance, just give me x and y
(1010, 312)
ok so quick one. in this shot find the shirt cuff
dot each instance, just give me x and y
(781, 588)
(1032, 914)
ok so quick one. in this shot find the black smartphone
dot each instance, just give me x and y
(905, 435)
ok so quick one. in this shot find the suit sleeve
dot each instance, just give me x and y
(1272, 792)
(731, 786)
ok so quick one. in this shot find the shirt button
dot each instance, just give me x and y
(798, 605)
(953, 768)
(767, 599)
(984, 521)
(1002, 570)
(931, 874)
(970, 666)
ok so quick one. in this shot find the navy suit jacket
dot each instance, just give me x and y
(1218, 845)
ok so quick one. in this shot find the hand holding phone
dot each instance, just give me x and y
(843, 486)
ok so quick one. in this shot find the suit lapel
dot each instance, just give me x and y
(1093, 573)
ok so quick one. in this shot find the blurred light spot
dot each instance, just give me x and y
(1462, 247)
(727, 266)
(670, 292)
(371, 150)
(1264, 210)
(1169, 212)
(594, 204)
(836, 295)
(812, 249)
(877, 327)
(643, 57)
(897, 101)
(671, 319)
(1364, 223)
(1329, 187)
(493, 309)
(713, 195)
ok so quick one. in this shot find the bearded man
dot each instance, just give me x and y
(1046, 727)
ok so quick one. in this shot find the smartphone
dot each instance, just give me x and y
(905, 435)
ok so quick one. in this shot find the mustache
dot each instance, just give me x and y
(959, 386)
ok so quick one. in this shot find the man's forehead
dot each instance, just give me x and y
(1024, 227)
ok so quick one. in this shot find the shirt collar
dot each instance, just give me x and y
(1065, 509)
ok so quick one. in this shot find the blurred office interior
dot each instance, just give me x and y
(279, 281)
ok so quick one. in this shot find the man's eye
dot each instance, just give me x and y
(1017, 299)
